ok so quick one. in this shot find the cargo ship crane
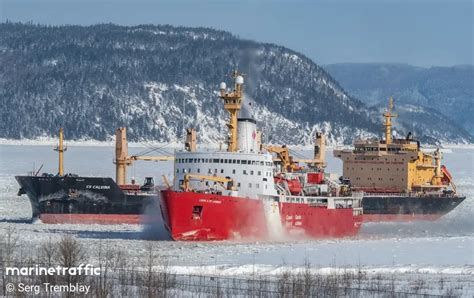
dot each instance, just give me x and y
(61, 148)
(232, 104)
(123, 160)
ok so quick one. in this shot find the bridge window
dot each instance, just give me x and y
(234, 161)
(215, 160)
(222, 160)
(238, 161)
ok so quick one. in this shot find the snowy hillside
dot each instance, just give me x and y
(158, 80)
(448, 91)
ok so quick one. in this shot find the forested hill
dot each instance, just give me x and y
(156, 80)
(446, 90)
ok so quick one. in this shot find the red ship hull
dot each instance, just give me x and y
(194, 216)
(319, 222)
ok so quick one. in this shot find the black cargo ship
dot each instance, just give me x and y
(69, 198)
(73, 199)
(398, 207)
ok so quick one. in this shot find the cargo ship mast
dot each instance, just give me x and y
(232, 103)
(61, 149)
(388, 115)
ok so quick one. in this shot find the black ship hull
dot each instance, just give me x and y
(72, 199)
(407, 208)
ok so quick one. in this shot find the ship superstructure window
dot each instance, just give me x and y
(251, 172)
(245, 172)
(250, 185)
(259, 173)
(233, 171)
(222, 171)
(244, 162)
(257, 185)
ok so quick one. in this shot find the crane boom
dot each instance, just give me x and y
(219, 179)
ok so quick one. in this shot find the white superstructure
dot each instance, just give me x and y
(252, 173)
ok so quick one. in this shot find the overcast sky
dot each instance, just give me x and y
(418, 32)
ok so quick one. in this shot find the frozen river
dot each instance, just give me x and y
(442, 247)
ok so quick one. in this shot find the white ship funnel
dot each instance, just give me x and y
(247, 135)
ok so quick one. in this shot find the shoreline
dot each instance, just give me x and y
(111, 143)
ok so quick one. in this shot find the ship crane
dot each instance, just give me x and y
(123, 160)
(221, 180)
(290, 164)
(61, 148)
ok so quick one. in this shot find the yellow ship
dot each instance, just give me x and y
(400, 181)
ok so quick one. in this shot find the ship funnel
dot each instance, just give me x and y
(247, 139)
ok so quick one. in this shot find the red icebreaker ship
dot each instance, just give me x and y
(254, 191)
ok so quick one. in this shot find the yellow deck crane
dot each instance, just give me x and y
(122, 159)
(61, 148)
(290, 164)
(225, 182)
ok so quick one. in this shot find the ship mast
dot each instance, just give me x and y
(232, 104)
(60, 149)
(388, 115)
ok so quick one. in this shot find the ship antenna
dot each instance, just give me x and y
(61, 148)
(232, 104)
(388, 115)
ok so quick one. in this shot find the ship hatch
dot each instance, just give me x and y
(197, 212)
